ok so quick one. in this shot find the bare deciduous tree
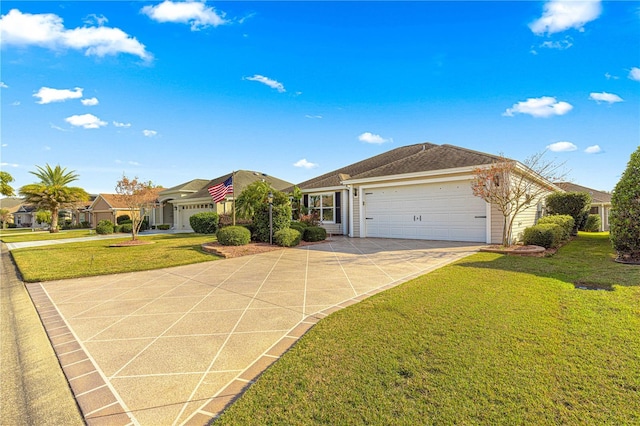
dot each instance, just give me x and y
(513, 187)
(139, 197)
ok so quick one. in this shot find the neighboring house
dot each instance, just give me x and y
(167, 196)
(187, 202)
(111, 206)
(25, 216)
(12, 204)
(600, 202)
(82, 213)
(420, 191)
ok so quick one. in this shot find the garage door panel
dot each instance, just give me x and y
(445, 211)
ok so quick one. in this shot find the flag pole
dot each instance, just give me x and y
(233, 207)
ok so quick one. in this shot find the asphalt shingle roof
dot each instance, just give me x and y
(596, 196)
(242, 179)
(415, 158)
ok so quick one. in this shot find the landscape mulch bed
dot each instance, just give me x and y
(520, 250)
(248, 249)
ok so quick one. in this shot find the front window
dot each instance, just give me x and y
(324, 206)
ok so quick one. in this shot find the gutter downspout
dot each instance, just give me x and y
(350, 189)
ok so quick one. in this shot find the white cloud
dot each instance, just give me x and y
(369, 137)
(3, 85)
(318, 117)
(46, 148)
(98, 20)
(608, 76)
(605, 97)
(558, 44)
(4, 145)
(87, 121)
(89, 101)
(133, 163)
(594, 149)
(194, 13)
(560, 15)
(149, 133)
(48, 95)
(634, 74)
(10, 165)
(305, 164)
(562, 147)
(47, 30)
(545, 106)
(16, 103)
(269, 82)
(118, 124)
(58, 128)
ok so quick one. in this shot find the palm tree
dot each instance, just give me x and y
(52, 192)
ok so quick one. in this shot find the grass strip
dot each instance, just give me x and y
(492, 339)
(91, 258)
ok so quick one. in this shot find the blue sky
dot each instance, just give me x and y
(173, 91)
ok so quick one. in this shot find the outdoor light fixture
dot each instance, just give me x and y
(270, 198)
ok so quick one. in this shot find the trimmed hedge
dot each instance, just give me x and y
(233, 236)
(281, 218)
(104, 227)
(126, 228)
(287, 237)
(593, 223)
(314, 233)
(120, 220)
(564, 220)
(624, 220)
(574, 204)
(298, 226)
(547, 235)
(163, 226)
(204, 223)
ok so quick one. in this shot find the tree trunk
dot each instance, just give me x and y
(53, 226)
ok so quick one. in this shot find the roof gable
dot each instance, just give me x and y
(242, 178)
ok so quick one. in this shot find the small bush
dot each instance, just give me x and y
(233, 236)
(298, 226)
(287, 237)
(104, 227)
(117, 229)
(547, 235)
(164, 226)
(574, 204)
(314, 233)
(204, 223)
(564, 220)
(84, 224)
(126, 228)
(11, 225)
(123, 219)
(593, 223)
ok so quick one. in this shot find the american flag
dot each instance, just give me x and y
(220, 191)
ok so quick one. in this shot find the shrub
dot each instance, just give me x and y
(547, 235)
(281, 215)
(592, 224)
(104, 227)
(126, 228)
(164, 226)
(125, 222)
(204, 223)
(11, 225)
(233, 236)
(624, 220)
(122, 219)
(574, 204)
(564, 220)
(311, 219)
(117, 229)
(287, 237)
(85, 224)
(314, 233)
(298, 226)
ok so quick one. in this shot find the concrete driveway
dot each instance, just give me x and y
(176, 345)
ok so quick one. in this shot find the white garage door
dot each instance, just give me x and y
(442, 211)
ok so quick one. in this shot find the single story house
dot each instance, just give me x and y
(420, 191)
(600, 201)
(111, 206)
(193, 197)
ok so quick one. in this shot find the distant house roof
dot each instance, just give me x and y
(242, 178)
(597, 197)
(191, 186)
(116, 201)
(416, 158)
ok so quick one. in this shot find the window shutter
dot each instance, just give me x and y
(338, 209)
(305, 200)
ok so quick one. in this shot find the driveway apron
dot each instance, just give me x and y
(177, 345)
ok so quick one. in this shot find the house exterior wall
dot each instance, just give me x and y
(497, 225)
(357, 208)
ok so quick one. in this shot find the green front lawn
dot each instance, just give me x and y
(21, 235)
(84, 259)
(492, 339)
